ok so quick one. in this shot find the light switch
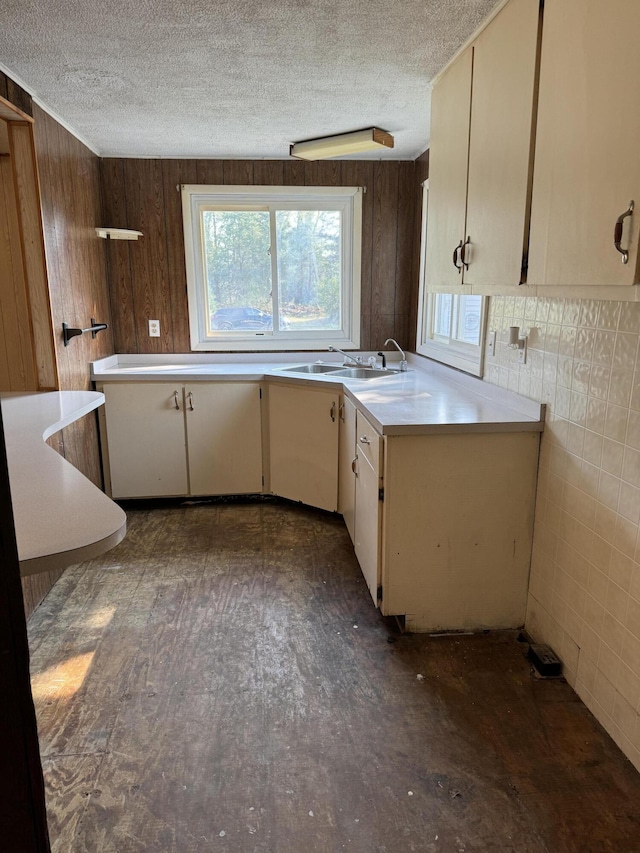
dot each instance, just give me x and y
(492, 342)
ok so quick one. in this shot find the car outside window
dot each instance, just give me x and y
(273, 267)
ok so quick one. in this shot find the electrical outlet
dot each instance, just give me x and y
(522, 352)
(492, 342)
(154, 328)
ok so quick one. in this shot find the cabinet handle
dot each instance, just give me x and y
(364, 440)
(617, 232)
(341, 412)
(463, 253)
(190, 399)
(455, 256)
(354, 465)
(175, 400)
(332, 412)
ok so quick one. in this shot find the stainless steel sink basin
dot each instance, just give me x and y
(365, 373)
(313, 368)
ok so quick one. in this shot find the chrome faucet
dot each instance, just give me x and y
(403, 362)
(356, 358)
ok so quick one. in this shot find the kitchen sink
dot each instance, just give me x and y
(313, 368)
(364, 372)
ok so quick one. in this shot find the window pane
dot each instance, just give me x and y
(238, 269)
(309, 264)
(442, 314)
(468, 324)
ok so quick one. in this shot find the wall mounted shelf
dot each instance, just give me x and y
(118, 233)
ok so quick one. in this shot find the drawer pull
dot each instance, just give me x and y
(332, 412)
(354, 465)
(190, 399)
(175, 400)
(364, 440)
(617, 232)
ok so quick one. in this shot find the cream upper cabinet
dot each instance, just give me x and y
(587, 163)
(448, 158)
(303, 444)
(480, 158)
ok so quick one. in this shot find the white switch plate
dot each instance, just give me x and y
(492, 342)
(154, 328)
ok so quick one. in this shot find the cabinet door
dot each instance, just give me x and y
(448, 154)
(146, 440)
(368, 523)
(346, 475)
(303, 444)
(587, 167)
(368, 520)
(500, 149)
(224, 438)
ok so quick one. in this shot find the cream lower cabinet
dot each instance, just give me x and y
(346, 465)
(303, 444)
(443, 526)
(368, 509)
(166, 439)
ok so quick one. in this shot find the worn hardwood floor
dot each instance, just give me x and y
(222, 682)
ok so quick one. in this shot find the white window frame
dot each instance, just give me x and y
(198, 197)
(463, 356)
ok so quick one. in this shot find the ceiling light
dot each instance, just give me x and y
(344, 143)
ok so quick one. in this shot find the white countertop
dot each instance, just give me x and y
(60, 516)
(429, 398)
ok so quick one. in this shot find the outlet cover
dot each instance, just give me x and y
(492, 342)
(154, 328)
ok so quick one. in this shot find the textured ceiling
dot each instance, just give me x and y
(234, 79)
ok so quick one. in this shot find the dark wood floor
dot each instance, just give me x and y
(222, 682)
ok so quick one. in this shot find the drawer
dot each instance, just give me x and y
(369, 443)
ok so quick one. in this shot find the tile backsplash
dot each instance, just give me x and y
(584, 596)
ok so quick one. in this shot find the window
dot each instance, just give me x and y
(450, 326)
(273, 267)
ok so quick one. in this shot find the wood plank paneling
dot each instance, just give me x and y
(76, 266)
(114, 214)
(149, 273)
(155, 287)
(28, 201)
(174, 174)
(17, 361)
(360, 174)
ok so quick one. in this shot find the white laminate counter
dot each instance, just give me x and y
(60, 517)
(429, 398)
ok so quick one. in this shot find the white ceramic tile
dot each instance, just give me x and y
(608, 314)
(620, 386)
(629, 320)
(585, 340)
(589, 313)
(603, 346)
(615, 425)
(612, 453)
(592, 449)
(625, 351)
(585, 581)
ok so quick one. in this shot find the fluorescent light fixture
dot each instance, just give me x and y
(344, 143)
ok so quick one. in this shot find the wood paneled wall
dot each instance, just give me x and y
(147, 278)
(76, 266)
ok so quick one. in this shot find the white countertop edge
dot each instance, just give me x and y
(60, 516)
(513, 411)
